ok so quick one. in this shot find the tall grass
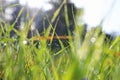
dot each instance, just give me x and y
(90, 59)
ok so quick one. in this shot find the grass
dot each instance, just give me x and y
(90, 59)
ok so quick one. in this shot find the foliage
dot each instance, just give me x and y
(90, 59)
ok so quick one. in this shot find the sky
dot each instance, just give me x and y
(94, 12)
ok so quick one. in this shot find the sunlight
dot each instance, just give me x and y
(37, 4)
(33, 3)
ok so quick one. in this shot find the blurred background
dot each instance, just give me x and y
(96, 12)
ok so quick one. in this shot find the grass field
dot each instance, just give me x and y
(87, 60)
(90, 59)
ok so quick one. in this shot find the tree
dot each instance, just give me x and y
(62, 24)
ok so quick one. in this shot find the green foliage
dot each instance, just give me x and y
(91, 59)
(88, 59)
